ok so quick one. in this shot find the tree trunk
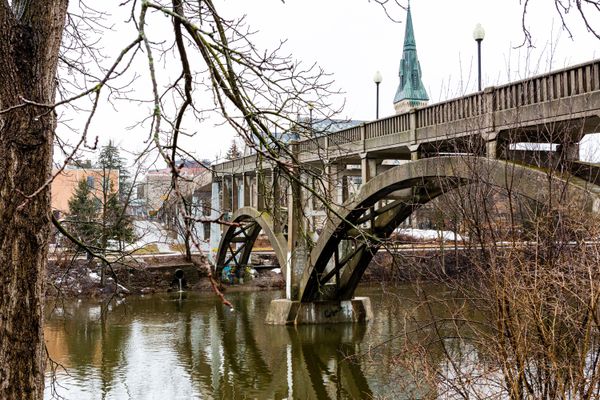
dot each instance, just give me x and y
(31, 35)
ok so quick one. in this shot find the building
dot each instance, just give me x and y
(157, 188)
(410, 93)
(161, 203)
(65, 183)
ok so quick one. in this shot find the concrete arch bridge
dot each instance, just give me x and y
(379, 172)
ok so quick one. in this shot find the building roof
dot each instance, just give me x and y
(187, 168)
(411, 87)
(320, 127)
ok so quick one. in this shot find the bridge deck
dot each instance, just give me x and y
(570, 94)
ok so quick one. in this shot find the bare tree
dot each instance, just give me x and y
(524, 322)
(32, 32)
(254, 91)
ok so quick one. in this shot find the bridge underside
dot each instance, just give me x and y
(362, 226)
(357, 230)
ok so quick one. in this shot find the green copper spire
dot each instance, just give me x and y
(411, 92)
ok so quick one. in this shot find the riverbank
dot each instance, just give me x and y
(78, 278)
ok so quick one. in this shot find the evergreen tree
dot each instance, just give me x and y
(83, 214)
(233, 152)
(110, 159)
(117, 225)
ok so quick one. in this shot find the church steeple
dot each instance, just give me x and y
(411, 92)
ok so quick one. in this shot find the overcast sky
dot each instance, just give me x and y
(351, 39)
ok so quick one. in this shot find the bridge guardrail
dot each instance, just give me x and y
(344, 136)
(570, 81)
(387, 126)
(469, 106)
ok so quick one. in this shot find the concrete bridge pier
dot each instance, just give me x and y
(291, 311)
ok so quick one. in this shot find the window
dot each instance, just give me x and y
(90, 182)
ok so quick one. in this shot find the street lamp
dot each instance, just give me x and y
(478, 35)
(377, 78)
(310, 110)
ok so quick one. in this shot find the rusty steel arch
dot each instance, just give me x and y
(239, 237)
(411, 185)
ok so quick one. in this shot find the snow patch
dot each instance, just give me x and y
(429, 234)
(94, 277)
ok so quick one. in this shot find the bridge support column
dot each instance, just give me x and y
(491, 149)
(570, 151)
(246, 195)
(278, 200)
(492, 144)
(415, 152)
(297, 248)
(368, 168)
(215, 229)
(344, 192)
(287, 312)
(235, 196)
(330, 181)
(226, 205)
(261, 183)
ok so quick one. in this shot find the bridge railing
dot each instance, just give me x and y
(571, 81)
(237, 163)
(387, 126)
(448, 111)
(345, 136)
(312, 145)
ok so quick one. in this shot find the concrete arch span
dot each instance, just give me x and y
(410, 185)
(239, 238)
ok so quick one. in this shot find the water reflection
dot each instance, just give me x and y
(183, 346)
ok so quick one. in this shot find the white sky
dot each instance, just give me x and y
(351, 39)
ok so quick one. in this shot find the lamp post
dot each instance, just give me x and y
(377, 78)
(478, 35)
(310, 110)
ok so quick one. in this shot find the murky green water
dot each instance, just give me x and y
(189, 346)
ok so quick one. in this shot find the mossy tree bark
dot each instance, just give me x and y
(31, 37)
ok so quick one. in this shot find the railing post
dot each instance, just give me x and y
(489, 107)
(489, 133)
(363, 136)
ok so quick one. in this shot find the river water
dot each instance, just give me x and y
(190, 346)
